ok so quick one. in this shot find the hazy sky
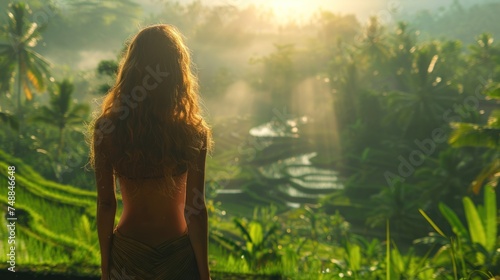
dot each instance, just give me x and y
(294, 8)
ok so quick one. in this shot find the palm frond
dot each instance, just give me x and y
(32, 79)
(27, 92)
(45, 115)
(243, 230)
(490, 172)
(6, 75)
(9, 119)
(269, 233)
(77, 114)
(473, 135)
(30, 36)
(39, 69)
(38, 60)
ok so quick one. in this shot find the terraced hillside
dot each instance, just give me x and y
(56, 236)
(55, 223)
(268, 164)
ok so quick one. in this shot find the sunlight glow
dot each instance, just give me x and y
(284, 10)
(289, 10)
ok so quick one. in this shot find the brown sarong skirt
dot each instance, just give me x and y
(134, 260)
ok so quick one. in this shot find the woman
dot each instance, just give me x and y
(151, 137)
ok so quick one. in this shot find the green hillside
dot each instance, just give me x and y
(55, 222)
(56, 235)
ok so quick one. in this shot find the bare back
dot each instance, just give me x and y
(150, 215)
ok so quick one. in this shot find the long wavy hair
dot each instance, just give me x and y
(150, 122)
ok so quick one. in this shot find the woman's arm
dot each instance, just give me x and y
(106, 209)
(196, 215)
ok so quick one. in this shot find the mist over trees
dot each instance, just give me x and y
(370, 122)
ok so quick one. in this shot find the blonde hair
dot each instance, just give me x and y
(150, 121)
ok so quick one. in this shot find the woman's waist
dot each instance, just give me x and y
(152, 228)
(161, 218)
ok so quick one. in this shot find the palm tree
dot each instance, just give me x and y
(374, 45)
(485, 136)
(397, 204)
(484, 56)
(442, 178)
(402, 44)
(9, 119)
(62, 112)
(17, 57)
(420, 105)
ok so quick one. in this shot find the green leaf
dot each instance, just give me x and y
(365, 154)
(490, 205)
(397, 261)
(492, 170)
(388, 250)
(225, 242)
(255, 230)
(476, 228)
(452, 218)
(474, 135)
(494, 93)
(355, 257)
(431, 222)
(242, 228)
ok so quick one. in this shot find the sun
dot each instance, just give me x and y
(287, 10)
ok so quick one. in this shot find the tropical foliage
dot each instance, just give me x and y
(18, 59)
(339, 145)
